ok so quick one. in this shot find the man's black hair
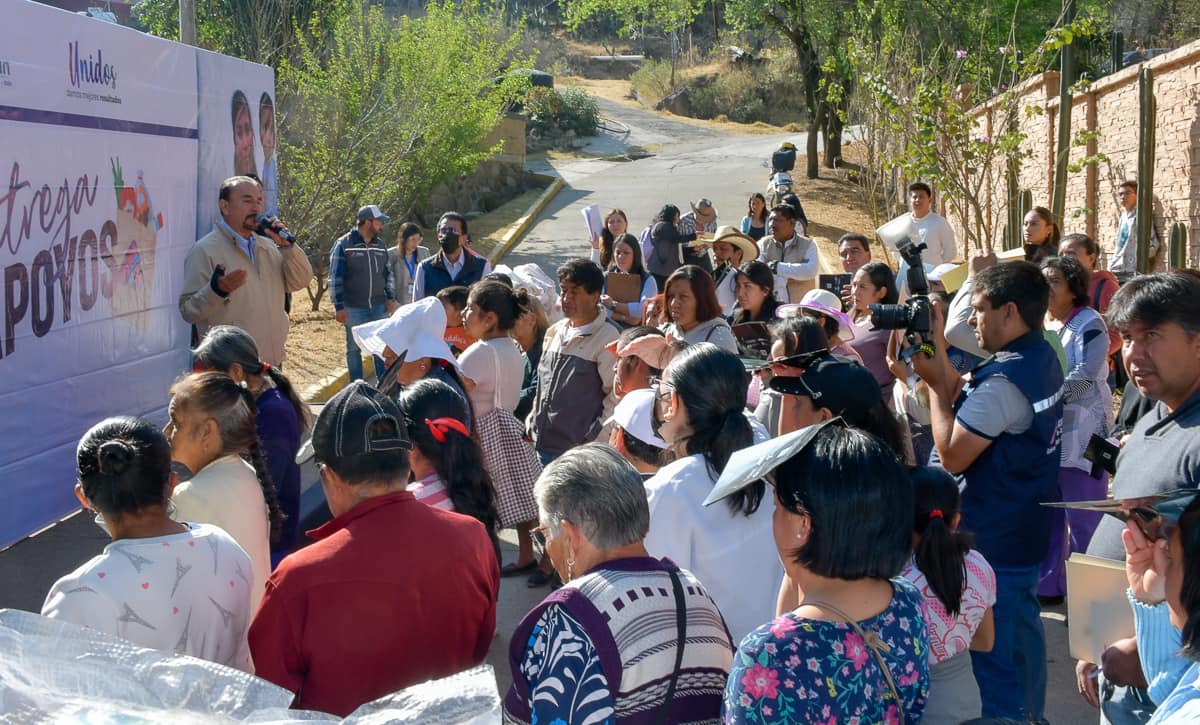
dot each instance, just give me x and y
(644, 452)
(455, 216)
(785, 210)
(1153, 299)
(584, 273)
(921, 186)
(1019, 282)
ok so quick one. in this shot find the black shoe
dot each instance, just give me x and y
(513, 570)
(1051, 601)
(540, 578)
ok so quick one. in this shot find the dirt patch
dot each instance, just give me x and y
(620, 91)
(834, 207)
(316, 344)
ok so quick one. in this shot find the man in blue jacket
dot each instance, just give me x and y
(360, 282)
(999, 433)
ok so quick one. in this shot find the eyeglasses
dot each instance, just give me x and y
(448, 230)
(538, 538)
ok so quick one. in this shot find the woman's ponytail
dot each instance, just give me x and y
(940, 551)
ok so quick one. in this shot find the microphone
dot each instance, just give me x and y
(265, 222)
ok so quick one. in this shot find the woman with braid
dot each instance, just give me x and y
(280, 414)
(212, 432)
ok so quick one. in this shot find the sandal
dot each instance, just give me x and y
(540, 578)
(515, 569)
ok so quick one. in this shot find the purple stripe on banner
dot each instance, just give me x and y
(57, 118)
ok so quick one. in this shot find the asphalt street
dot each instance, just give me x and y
(688, 162)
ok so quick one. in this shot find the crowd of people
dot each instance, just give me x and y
(750, 503)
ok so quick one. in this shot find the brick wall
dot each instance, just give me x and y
(1111, 107)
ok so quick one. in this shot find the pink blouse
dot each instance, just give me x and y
(950, 635)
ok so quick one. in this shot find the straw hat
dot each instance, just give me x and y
(705, 212)
(731, 235)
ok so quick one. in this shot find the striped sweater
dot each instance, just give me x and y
(602, 649)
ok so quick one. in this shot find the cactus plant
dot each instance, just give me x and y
(1177, 246)
(1014, 228)
(1147, 115)
(1116, 50)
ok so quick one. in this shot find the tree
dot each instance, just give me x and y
(264, 31)
(635, 15)
(386, 113)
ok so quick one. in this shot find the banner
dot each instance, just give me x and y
(99, 144)
(237, 131)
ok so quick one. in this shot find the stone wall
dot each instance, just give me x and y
(494, 181)
(1110, 107)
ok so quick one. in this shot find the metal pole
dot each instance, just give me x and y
(187, 22)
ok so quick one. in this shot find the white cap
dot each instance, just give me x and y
(418, 329)
(633, 415)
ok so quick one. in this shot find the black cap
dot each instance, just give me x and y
(343, 429)
(845, 387)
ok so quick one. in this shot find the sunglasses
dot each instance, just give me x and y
(537, 537)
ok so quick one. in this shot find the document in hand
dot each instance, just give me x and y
(1098, 613)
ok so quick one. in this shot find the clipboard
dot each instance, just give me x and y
(623, 287)
(1098, 613)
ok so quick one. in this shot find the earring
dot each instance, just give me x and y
(570, 569)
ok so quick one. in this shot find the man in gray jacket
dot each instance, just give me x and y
(360, 282)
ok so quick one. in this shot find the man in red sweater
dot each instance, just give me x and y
(394, 592)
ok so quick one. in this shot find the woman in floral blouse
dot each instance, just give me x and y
(855, 650)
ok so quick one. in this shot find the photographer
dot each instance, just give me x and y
(999, 433)
(454, 263)
(218, 288)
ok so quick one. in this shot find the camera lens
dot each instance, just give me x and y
(889, 317)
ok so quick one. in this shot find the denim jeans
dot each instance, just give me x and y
(357, 316)
(1012, 677)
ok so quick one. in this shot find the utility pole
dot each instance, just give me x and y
(187, 22)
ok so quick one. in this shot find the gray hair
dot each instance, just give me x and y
(596, 489)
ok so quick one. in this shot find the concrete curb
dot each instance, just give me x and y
(517, 229)
(329, 385)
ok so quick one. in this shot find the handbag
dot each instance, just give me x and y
(874, 643)
(681, 627)
(509, 459)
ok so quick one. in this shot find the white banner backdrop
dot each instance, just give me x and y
(237, 131)
(99, 142)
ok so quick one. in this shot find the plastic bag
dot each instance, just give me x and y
(53, 671)
(531, 278)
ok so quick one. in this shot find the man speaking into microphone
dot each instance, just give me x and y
(239, 272)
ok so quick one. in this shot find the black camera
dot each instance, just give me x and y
(914, 315)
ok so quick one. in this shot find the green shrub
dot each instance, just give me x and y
(571, 110)
(652, 82)
(580, 112)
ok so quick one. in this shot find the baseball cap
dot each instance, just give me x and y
(371, 211)
(845, 387)
(633, 414)
(343, 428)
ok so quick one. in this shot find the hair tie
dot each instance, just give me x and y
(243, 385)
(266, 368)
(439, 426)
(936, 514)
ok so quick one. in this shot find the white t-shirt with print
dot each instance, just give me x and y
(950, 635)
(187, 593)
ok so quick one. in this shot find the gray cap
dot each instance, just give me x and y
(343, 428)
(371, 211)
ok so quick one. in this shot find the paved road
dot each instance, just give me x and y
(689, 162)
